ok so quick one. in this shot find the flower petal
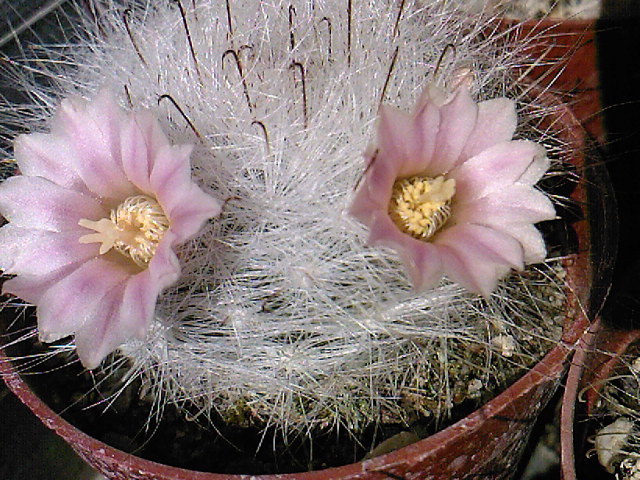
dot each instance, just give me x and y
(427, 123)
(516, 204)
(422, 259)
(536, 170)
(496, 123)
(434, 94)
(164, 268)
(47, 156)
(364, 204)
(126, 311)
(26, 251)
(476, 256)
(457, 121)
(494, 169)
(105, 331)
(192, 212)
(139, 301)
(424, 265)
(379, 182)
(142, 139)
(374, 192)
(142, 290)
(68, 304)
(34, 202)
(95, 130)
(493, 244)
(474, 273)
(30, 288)
(171, 175)
(184, 203)
(532, 242)
(398, 141)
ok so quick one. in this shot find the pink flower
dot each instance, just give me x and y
(450, 191)
(94, 217)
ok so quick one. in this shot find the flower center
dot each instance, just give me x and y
(420, 206)
(134, 229)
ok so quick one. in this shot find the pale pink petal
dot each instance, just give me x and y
(126, 311)
(30, 288)
(136, 155)
(93, 133)
(536, 170)
(382, 231)
(164, 268)
(26, 251)
(171, 175)
(374, 191)
(398, 141)
(142, 140)
(363, 205)
(380, 180)
(485, 242)
(494, 169)
(105, 331)
(496, 123)
(432, 94)
(476, 274)
(457, 120)
(142, 290)
(407, 144)
(476, 257)
(422, 259)
(424, 265)
(184, 203)
(71, 302)
(515, 204)
(48, 156)
(427, 123)
(191, 212)
(139, 302)
(34, 202)
(532, 242)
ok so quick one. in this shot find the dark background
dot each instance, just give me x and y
(619, 66)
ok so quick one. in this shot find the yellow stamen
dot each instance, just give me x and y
(420, 206)
(134, 229)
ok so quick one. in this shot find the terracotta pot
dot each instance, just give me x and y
(599, 353)
(487, 443)
(595, 360)
(567, 53)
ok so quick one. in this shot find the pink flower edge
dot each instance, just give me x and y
(95, 156)
(491, 229)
